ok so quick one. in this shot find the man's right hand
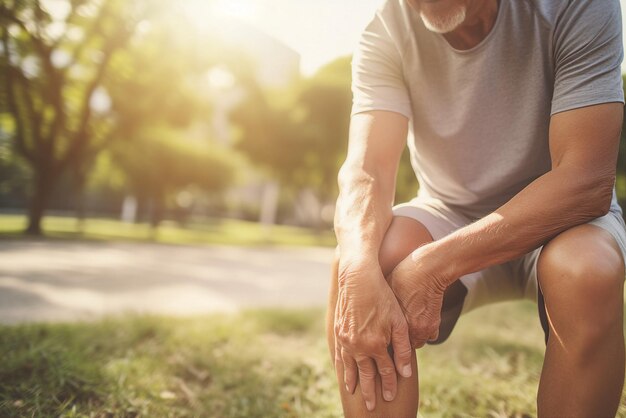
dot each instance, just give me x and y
(368, 319)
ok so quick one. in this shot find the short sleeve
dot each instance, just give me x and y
(588, 53)
(377, 76)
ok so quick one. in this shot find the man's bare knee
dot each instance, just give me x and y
(581, 274)
(402, 238)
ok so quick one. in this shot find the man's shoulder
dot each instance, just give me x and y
(553, 11)
(396, 13)
(395, 19)
(399, 18)
(548, 10)
(394, 8)
(401, 14)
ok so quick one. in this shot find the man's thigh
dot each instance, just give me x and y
(412, 222)
(514, 280)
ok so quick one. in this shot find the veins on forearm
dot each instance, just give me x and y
(551, 204)
(360, 215)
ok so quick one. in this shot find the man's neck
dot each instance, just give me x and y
(481, 17)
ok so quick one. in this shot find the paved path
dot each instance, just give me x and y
(59, 281)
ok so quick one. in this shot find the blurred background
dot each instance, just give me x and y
(159, 111)
(179, 159)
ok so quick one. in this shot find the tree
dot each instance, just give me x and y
(13, 175)
(169, 163)
(300, 136)
(325, 101)
(52, 62)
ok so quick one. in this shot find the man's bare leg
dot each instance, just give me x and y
(403, 236)
(581, 273)
(406, 401)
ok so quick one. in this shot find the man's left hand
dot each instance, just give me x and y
(419, 291)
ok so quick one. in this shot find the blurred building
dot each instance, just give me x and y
(274, 64)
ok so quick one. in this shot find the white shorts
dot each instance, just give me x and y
(516, 279)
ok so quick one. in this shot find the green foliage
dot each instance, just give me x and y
(14, 174)
(49, 78)
(160, 77)
(105, 174)
(80, 75)
(157, 163)
(271, 136)
(406, 182)
(326, 101)
(302, 140)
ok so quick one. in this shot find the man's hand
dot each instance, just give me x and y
(367, 320)
(419, 291)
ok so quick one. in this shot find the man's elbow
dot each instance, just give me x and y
(600, 195)
(352, 175)
(344, 174)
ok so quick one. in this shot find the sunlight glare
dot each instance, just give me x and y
(201, 12)
(241, 9)
(220, 78)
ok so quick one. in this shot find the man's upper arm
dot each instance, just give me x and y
(377, 139)
(587, 54)
(381, 104)
(587, 138)
(587, 108)
(584, 143)
(377, 70)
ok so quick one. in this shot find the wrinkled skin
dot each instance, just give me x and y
(368, 319)
(419, 292)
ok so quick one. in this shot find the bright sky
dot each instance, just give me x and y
(319, 30)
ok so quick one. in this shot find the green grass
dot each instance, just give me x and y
(214, 231)
(266, 363)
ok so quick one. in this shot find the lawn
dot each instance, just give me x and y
(267, 363)
(211, 231)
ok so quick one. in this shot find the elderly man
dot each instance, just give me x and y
(513, 111)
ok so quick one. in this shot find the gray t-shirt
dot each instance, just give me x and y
(479, 118)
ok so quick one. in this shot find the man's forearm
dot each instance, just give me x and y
(554, 202)
(363, 212)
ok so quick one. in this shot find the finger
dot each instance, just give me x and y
(367, 380)
(338, 360)
(434, 335)
(350, 372)
(401, 348)
(388, 376)
(418, 343)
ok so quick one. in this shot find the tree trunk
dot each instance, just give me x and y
(80, 213)
(156, 213)
(38, 204)
(79, 200)
(269, 208)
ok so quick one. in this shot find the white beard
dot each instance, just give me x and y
(444, 24)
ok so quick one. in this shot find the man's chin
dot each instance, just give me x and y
(442, 21)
